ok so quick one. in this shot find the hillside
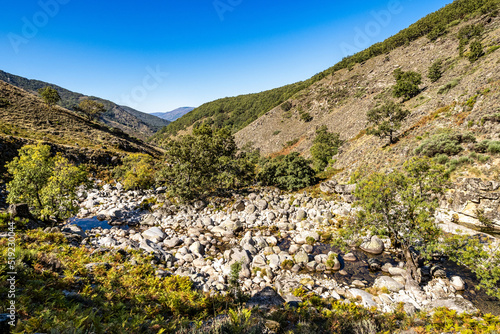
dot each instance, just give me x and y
(173, 114)
(238, 112)
(24, 118)
(129, 120)
(342, 100)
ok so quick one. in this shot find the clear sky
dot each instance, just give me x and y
(157, 55)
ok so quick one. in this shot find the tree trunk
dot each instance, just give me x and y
(412, 265)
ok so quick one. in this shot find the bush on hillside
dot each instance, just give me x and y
(136, 172)
(445, 143)
(325, 146)
(289, 172)
(476, 51)
(435, 71)
(490, 146)
(450, 85)
(407, 84)
(467, 33)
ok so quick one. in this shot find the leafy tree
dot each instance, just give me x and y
(476, 51)
(401, 205)
(386, 120)
(203, 162)
(136, 172)
(406, 84)
(47, 184)
(325, 146)
(59, 193)
(290, 172)
(435, 71)
(49, 95)
(91, 108)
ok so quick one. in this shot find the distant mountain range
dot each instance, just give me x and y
(131, 121)
(174, 114)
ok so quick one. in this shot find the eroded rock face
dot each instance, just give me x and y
(472, 194)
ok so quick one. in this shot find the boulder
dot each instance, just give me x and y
(456, 303)
(396, 271)
(301, 257)
(154, 234)
(265, 298)
(389, 283)
(301, 214)
(173, 242)
(21, 210)
(374, 246)
(239, 206)
(458, 283)
(108, 242)
(350, 257)
(261, 205)
(197, 248)
(328, 187)
(366, 298)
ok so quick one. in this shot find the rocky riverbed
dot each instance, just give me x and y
(282, 241)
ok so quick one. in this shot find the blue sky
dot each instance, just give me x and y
(159, 55)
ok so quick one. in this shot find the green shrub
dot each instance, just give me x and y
(445, 143)
(310, 241)
(4, 103)
(494, 147)
(441, 159)
(306, 117)
(437, 32)
(468, 32)
(286, 106)
(407, 84)
(476, 51)
(450, 85)
(490, 146)
(435, 71)
(325, 146)
(136, 172)
(290, 172)
(291, 142)
(277, 132)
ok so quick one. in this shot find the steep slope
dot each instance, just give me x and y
(462, 100)
(237, 112)
(131, 121)
(24, 118)
(173, 114)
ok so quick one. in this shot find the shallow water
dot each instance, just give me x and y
(89, 223)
